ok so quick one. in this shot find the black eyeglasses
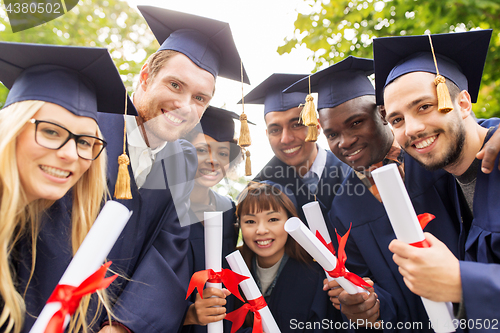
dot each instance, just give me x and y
(54, 136)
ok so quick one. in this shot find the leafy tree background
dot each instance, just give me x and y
(335, 29)
(98, 23)
(102, 23)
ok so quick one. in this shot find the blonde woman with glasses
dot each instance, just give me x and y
(50, 144)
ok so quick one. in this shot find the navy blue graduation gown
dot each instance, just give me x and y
(153, 228)
(367, 247)
(196, 255)
(480, 259)
(53, 254)
(154, 299)
(298, 302)
(334, 173)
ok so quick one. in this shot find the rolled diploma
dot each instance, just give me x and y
(316, 222)
(251, 291)
(213, 255)
(317, 250)
(405, 223)
(90, 255)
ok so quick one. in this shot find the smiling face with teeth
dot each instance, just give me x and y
(213, 160)
(433, 138)
(172, 102)
(357, 132)
(264, 233)
(47, 173)
(288, 139)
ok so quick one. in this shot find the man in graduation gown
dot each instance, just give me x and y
(175, 87)
(446, 136)
(302, 168)
(358, 134)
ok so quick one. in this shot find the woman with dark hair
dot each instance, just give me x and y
(218, 154)
(291, 283)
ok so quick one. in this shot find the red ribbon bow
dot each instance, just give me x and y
(237, 317)
(70, 296)
(423, 219)
(226, 276)
(339, 270)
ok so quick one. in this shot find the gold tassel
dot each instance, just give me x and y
(444, 99)
(122, 186)
(312, 133)
(308, 117)
(244, 139)
(248, 164)
(308, 113)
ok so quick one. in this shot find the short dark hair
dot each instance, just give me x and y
(453, 89)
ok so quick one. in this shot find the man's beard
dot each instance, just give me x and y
(152, 125)
(454, 153)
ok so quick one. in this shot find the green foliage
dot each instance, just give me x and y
(336, 29)
(101, 23)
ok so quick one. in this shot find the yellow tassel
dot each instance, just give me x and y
(248, 164)
(312, 133)
(244, 139)
(308, 113)
(122, 186)
(444, 99)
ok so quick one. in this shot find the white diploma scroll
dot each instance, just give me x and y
(90, 255)
(213, 255)
(405, 223)
(317, 223)
(251, 291)
(318, 251)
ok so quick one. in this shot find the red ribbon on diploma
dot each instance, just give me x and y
(423, 219)
(226, 276)
(70, 297)
(237, 317)
(339, 270)
(329, 246)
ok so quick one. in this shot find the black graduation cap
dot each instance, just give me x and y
(83, 80)
(338, 83)
(218, 123)
(269, 92)
(208, 43)
(460, 58)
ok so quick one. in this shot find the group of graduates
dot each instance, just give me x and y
(64, 136)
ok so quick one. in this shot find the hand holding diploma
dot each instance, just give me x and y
(360, 307)
(214, 275)
(433, 273)
(209, 309)
(417, 255)
(318, 227)
(319, 251)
